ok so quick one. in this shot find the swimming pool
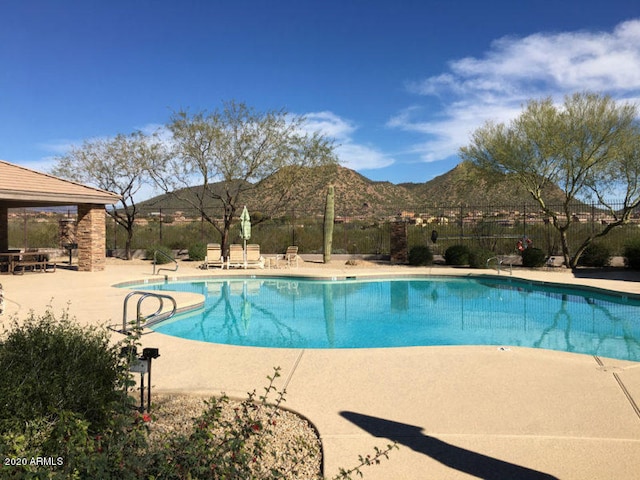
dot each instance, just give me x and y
(371, 313)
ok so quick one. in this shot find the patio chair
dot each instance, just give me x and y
(291, 255)
(236, 256)
(254, 259)
(214, 256)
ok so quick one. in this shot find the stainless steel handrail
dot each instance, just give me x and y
(155, 261)
(499, 263)
(152, 318)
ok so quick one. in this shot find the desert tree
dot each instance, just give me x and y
(121, 165)
(589, 147)
(221, 159)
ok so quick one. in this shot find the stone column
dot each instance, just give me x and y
(399, 242)
(4, 229)
(91, 235)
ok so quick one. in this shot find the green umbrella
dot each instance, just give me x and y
(245, 224)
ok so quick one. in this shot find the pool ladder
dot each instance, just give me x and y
(147, 320)
(499, 261)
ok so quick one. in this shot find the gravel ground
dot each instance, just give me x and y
(174, 414)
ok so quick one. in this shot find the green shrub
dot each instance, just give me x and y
(478, 257)
(533, 257)
(178, 244)
(457, 255)
(49, 362)
(420, 255)
(632, 254)
(595, 255)
(64, 398)
(197, 252)
(160, 259)
(116, 453)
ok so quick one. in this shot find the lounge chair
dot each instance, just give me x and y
(291, 255)
(214, 256)
(236, 256)
(254, 259)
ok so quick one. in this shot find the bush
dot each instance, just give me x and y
(160, 259)
(420, 255)
(116, 453)
(457, 255)
(197, 252)
(632, 254)
(595, 255)
(64, 398)
(478, 257)
(48, 362)
(533, 257)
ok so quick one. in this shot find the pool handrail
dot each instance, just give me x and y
(151, 319)
(155, 261)
(499, 262)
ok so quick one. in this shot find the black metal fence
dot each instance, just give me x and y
(178, 229)
(497, 228)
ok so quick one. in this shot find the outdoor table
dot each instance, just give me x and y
(271, 262)
(13, 259)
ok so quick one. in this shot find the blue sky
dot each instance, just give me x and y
(399, 84)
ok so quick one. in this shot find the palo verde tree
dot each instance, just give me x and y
(120, 165)
(223, 158)
(589, 147)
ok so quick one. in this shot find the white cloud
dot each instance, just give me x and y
(514, 70)
(329, 124)
(41, 165)
(350, 153)
(362, 157)
(162, 133)
(58, 147)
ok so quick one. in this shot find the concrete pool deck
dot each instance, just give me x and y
(455, 412)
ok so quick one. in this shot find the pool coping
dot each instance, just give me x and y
(377, 276)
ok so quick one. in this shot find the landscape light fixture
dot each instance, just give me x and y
(142, 365)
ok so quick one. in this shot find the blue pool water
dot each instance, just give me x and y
(299, 313)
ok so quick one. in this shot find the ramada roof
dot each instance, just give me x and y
(23, 187)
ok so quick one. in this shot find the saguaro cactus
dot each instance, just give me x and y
(328, 225)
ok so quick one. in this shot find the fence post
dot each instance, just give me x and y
(399, 242)
(24, 214)
(293, 226)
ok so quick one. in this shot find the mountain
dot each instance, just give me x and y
(356, 195)
(468, 184)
